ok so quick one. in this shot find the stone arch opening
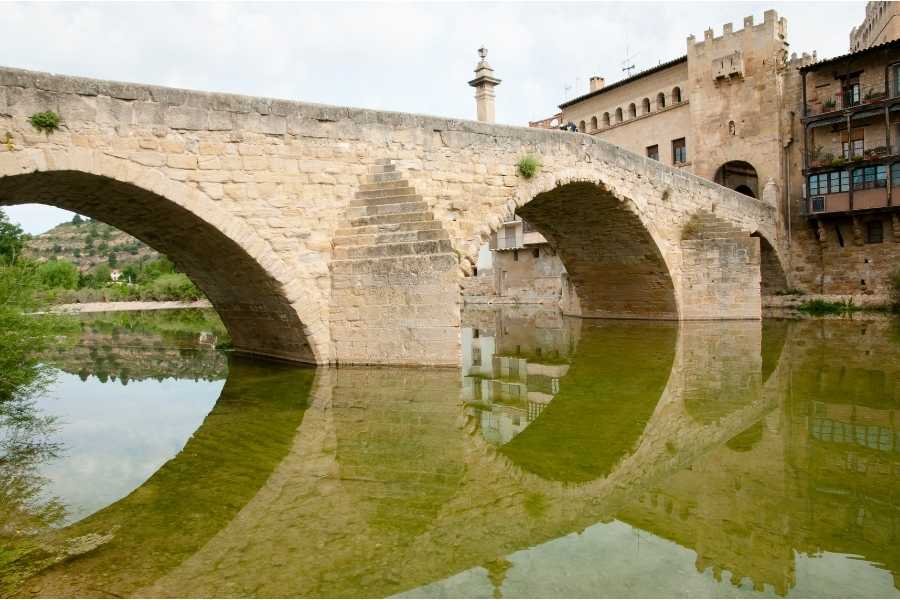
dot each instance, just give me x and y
(606, 119)
(225, 264)
(632, 111)
(645, 106)
(594, 123)
(618, 115)
(613, 261)
(660, 101)
(676, 95)
(581, 126)
(740, 176)
(772, 275)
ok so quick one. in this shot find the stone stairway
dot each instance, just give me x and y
(394, 268)
(705, 225)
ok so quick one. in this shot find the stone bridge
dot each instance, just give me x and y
(326, 234)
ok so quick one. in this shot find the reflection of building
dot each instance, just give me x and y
(818, 474)
(505, 381)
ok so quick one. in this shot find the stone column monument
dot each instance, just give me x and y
(484, 84)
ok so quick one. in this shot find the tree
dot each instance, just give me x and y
(12, 239)
(112, 261)
(101, 274)
(58, 274)
(77, 220)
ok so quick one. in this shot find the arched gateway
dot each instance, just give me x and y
(329, 234)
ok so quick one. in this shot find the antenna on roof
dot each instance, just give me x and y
(567, 88)
(628, 63)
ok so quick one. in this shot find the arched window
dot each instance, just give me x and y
(581, 126)
(606, 119)
(645, 105)
(632, 111)
(660, 101)
(676, 95)
(618, 115)
(594, 123)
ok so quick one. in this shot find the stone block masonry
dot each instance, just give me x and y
(312, 248)
(394, 277)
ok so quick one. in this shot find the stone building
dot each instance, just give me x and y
(737, 109)
(850, 240)
(882, 24)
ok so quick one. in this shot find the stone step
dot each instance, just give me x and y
(426, 225)
(391, 218)
(383, 177)
(391, 250)
(386, 209)
(346, 266)
(384, 185)
(386, 200)
(370, 239)
(385, 192)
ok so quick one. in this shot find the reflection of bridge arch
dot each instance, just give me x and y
(261, 300)
(197, 493)
(319, 498)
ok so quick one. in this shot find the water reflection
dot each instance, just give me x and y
(574, 458)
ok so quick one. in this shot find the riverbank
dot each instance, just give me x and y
(95, 307)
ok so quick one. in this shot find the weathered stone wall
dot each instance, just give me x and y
(246, 194)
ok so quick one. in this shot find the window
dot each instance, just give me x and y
(632, 111)
(870, 177)
(536, 252)
(660, 101)
(606, 119)
(895, 174)
(834, 182)
(594, 123)
(645, 104)
(653, 152)
(516, 255)
(676, 95)
(679, 151)
(581, 126)
(618, 115)
(854, 148)
(874, 232)
(851, 94)
(895, 80)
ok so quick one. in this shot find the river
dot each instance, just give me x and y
(566, 458)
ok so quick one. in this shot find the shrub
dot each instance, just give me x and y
(46, 122)
(174, 286)
(528, 166)
(58, 274)
(822, 307)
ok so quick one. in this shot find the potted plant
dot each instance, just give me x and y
(873, 95)
(828, 104)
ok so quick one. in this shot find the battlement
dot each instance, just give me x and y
(773, 27)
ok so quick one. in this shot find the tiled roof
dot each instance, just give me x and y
(622, 82)
(893, 44)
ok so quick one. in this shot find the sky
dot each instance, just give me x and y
(411, 57)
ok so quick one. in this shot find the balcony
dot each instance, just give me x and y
(848, 101)
(829, 160)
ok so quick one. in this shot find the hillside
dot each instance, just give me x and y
(86, 244)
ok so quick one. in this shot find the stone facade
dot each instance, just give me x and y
(249, 196)
(881, 24)
(742, 121)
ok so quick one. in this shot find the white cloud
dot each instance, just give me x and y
(395, 56)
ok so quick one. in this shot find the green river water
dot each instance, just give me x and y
(566, 458)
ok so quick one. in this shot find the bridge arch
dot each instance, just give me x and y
(266, 309)
(612, 256)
